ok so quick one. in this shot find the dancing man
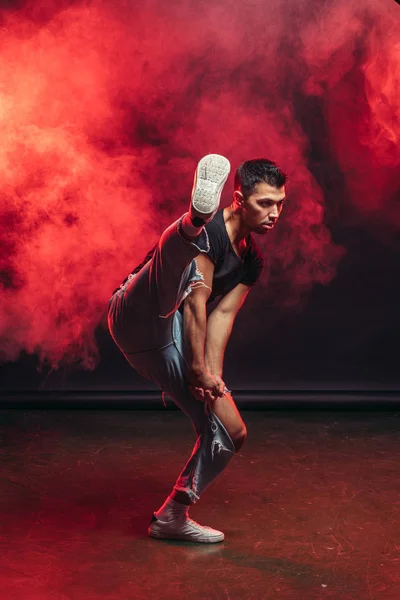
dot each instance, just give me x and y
(158, 319)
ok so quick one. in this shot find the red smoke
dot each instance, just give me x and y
(105, 109)
(362, 106)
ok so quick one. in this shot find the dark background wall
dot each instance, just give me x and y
(105, 111)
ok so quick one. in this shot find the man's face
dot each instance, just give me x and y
(262, 208)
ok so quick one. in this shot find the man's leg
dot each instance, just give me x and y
(211, 454)
(220, 432)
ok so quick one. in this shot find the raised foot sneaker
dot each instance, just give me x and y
(209, 180)
(186, 529)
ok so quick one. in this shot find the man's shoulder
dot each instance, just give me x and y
(217, 223)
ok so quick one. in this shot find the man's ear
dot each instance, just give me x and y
(238, 197)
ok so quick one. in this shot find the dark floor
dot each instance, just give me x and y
(310, 508)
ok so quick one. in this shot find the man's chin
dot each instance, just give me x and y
(261, 230)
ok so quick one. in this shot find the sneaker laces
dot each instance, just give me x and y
(192, 521)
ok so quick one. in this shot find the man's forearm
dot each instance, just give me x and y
(219, 327)
(195, 323)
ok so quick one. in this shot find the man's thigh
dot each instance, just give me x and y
(167, 368)
(134, 316)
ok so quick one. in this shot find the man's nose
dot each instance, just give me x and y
(274, 213)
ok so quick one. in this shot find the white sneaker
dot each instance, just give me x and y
(209, 180)
(184, 528)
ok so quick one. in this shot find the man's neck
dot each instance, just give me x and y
(236, 229)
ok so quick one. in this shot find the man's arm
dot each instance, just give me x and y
(195, 318)
(219, 327)
(204, 385)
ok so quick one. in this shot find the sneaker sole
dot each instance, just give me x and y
(177, 536)
(211, 175)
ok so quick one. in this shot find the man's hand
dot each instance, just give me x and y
(205, 387)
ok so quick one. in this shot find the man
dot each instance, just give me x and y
(158, 319)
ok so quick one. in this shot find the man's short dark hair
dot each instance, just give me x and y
(255, 171)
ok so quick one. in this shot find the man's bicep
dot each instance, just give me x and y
(233, 300)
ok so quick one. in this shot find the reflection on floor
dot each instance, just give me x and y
(310, 508)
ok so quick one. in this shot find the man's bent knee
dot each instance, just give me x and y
(228, 413)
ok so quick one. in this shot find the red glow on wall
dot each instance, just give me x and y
(105, 110)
